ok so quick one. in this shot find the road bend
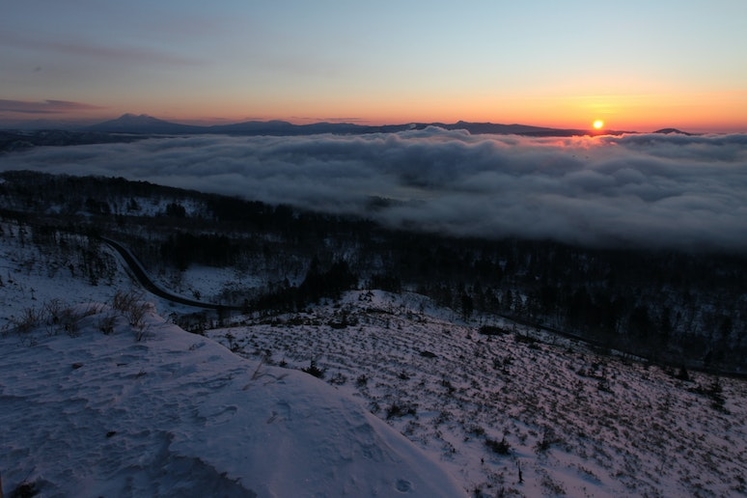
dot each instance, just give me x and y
(138, 271)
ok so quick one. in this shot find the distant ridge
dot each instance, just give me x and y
(131, 123)
(145, 124)
(668, 131)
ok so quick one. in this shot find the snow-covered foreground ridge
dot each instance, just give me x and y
(88, 413)
(87, 409)
(521, 412)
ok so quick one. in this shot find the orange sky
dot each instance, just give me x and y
(720, 112)
(637, 65)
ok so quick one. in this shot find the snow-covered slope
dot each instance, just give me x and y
(89, 413)
(522, 412)
(175, 414)
(519, 413)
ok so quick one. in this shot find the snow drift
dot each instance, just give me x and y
(175, 414)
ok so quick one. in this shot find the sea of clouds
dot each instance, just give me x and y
(650, 190)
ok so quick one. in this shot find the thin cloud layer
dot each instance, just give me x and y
(82, 48)
(43, 107)
(659, 191)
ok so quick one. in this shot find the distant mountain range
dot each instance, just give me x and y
(144, 124)
(131, 127)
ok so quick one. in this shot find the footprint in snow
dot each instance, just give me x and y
(403, 485)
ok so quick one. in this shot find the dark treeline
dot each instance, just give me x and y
(318, 284)
(13, 141)
(688, 308)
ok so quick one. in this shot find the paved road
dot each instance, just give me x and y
(142, 277)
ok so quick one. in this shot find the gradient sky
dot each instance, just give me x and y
(638, 65)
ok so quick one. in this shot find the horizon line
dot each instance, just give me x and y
(72, 123)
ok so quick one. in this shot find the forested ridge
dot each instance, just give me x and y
(681, 308)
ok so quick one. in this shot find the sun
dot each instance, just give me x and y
(598, 124)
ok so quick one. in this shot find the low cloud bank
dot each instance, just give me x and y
(660, 191)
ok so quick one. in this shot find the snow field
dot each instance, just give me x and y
(576, 423)
(524, 413)
(175, 414)
(94, 405)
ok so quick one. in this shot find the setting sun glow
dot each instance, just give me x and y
(206, 64)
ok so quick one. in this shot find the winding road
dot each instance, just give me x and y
(138, 271)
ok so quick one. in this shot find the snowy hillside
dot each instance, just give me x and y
(519, 412)
(112, 400)
(100, 400)
(88, 413)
